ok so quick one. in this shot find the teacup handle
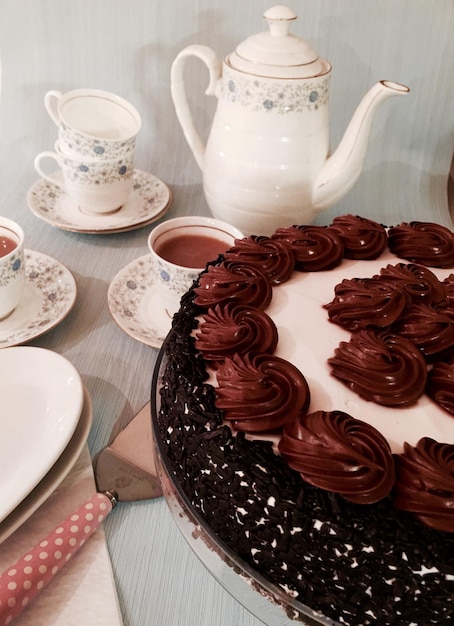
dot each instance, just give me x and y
(51, 100)
(47, 154)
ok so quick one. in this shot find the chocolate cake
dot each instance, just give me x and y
(345, 500)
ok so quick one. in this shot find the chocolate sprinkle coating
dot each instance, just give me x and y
(358, 565)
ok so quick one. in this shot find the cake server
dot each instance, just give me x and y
(125, 471)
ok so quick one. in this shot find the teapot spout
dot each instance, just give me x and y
(342, 169)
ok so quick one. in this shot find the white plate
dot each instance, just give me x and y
(149, 200)
(135, 304)
(54, 476)
(50, 293)
(41, 402)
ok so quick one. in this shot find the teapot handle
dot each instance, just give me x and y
(208, 56)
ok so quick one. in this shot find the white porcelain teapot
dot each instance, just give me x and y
(266, 162)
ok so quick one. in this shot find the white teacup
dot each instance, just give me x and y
(181, 247)
(96, 187)
(12, 266)
(93, 123)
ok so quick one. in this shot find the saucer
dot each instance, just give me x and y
(50, 293)
(135, 303)
(149, 200)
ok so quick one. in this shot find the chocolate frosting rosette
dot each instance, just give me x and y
(260, 392)
(448, 285)
(440, 385)
(381, 366)
(235, 328)
(233, 282)
(423, 242)
(429, 328)
(316, 248)
(363, 239)
(425, 483)
(270, 256)
(419, 283)
(361, 303)
(334, 451)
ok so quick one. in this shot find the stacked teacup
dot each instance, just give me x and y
(95, 149)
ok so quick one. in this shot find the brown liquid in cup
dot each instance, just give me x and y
(192, 251)
(7, 245)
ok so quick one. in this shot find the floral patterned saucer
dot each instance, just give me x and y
(50, 293)
(149, 200)
(136, 305)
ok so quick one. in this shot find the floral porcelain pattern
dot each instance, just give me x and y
(49, 294)
(135, 304)
(91, 147)
(279, 96)
(99, 172)
(178, 281)
(150, 198)
(8, 272)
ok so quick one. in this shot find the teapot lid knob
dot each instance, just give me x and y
(277, 53)
(279, 19)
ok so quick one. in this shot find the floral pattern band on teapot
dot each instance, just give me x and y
(257, 95)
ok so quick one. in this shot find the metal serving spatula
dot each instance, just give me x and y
(124, 471)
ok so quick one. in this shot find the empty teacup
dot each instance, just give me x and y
(96, 187)
(12, 268)
(93, 123)
(181, 248)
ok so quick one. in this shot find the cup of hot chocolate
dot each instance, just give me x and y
(12, 267)
(181, 247)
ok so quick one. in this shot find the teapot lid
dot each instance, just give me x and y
(277, 53)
